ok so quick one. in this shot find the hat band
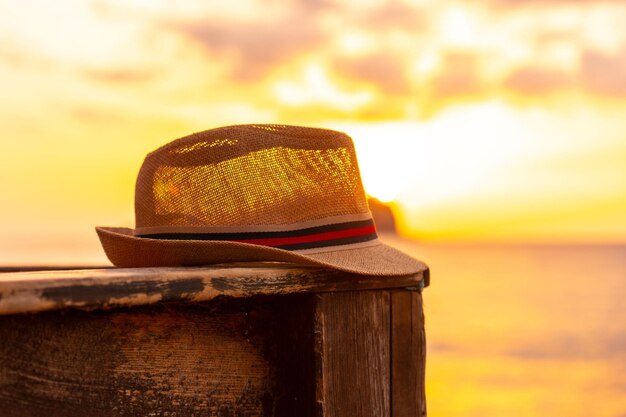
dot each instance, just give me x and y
(313, 237)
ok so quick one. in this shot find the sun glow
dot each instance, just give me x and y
(459, 26)
(422, 164)
(316, 87)
(459, 174)
(354, 43)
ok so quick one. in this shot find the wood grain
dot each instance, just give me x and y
(227, 358)
(408, 353)
(105, 288)
(292, 357)
(352, 330)
(225, 341)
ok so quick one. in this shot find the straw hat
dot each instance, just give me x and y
(254, 193)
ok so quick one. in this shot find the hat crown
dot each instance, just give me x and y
(249, 175)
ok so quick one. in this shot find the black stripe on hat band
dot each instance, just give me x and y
(325, 243)
(260, 235)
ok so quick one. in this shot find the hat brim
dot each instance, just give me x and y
(126, 250)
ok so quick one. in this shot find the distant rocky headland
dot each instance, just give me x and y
(383, 216)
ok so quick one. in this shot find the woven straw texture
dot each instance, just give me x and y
(249, 175)
(250, 178)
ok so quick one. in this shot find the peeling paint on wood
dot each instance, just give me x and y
(105, 288)
(91, 294)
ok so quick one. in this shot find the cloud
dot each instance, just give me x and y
(128, 75)
(405, 59)
(459, 75)
(89, 113)
(604, 74)
(385, 70)
(538, 80)
(547, 4)
(13, 56)
(260, 45)
(395, 15)
(598, 74)
(531, 59)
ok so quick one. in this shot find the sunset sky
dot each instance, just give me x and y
(494, 120)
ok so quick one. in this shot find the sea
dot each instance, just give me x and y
(524, 330)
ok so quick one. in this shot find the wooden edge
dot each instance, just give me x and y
(408, 354)
(89, 289)
(352, 354)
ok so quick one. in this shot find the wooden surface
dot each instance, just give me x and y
(334, 354)
(408, 354)
(371, 354)
(224, 341)
(235, 358)
(22, 292)
(353, 352)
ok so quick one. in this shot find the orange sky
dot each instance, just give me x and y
(492, 120)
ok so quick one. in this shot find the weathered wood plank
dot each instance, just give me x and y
(352, 347)
(292, 355)
(325, 355)
(230, 357)
(408, 353)
(105, 288)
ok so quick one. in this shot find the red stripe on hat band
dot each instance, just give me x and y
(334, 234)
(317, 237)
